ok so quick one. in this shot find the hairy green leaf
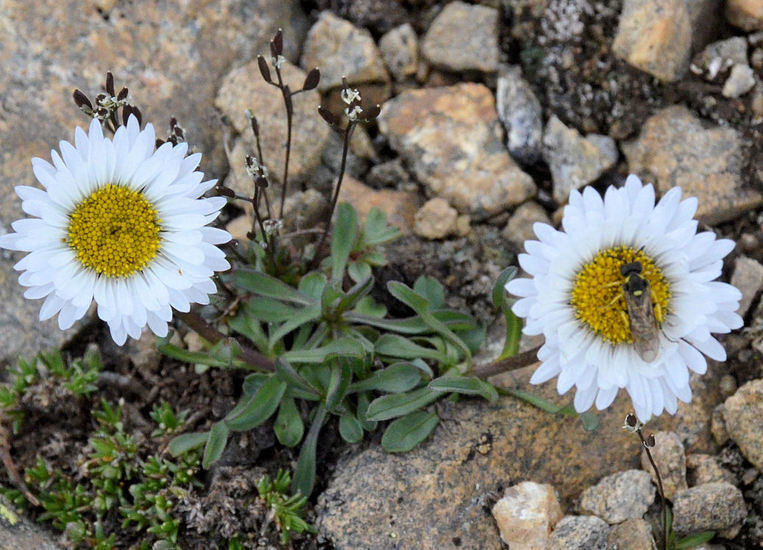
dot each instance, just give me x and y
(288, 426)
(396, 378)
(216, 441)
(403, 434)
(187, 442)
(465, 385)
(253, 410)
(399, 404)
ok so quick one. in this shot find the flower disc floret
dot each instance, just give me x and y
(114, 231)
(598, 297)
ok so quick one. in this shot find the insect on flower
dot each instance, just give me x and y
(641, 319)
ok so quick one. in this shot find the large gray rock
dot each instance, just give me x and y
(621, 496)
(171, 55)
(521, 115)
(17, 532)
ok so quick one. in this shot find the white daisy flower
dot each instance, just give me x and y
(121, 223)
(576, 298)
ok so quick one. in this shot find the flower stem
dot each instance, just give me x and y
(212, 335)
(505, 365)
(659, 487)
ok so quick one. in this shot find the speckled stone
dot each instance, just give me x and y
(668, 454)
(709, 507)
(743, 412)
(451, 139)
(575, 161)
(400, 206)
(580, 533)
(705, 468)
(436, 219)
(675, 149)
(463, 37)
(400, 50)
(655, 36)
(339, 48)
(632, 534)
(620, 496)
(440, 490)
(17, 532)
(521, 115)
(242, 89)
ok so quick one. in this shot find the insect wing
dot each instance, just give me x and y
(643, 325)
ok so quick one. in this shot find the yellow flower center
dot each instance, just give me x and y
(598, 297)
(114, 231)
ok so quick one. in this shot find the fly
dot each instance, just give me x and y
(641, 319)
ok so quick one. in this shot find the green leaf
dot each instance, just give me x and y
(393, 345)
(256, 409)
(355, 294)
(363, 401)
(265, 285)
(193, 357)
(694, 540)
(341, 376)
(288, 427)
(396, 378)
(513, 332)
(304, 474)
(186, 442)
(342, 240)
(590, 421)
(218, 437)
(350, 428)
(270, 310)
(341, 347)
(312, 285)
(301, 316)
(431, 289)
(294, 379)
(499, 287)
(465, 385)
(405, 433)
(368, 306)
(421, 306)
(254, 382)
(376, 231)
(535, 401)
(474, 338)
(399, 404)
(358, 271)
(246, 324)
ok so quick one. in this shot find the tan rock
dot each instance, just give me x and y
(675, 149)
(451, 139)
(620, 496)
(239, 227)
(748, 278)
(520, 226)
(742, 413)
(655, 36)
(435, 220)
(463, 37)
(705, 468)
(526, 515)
(668, 454)
(242, 89)
(339, 48)
(745, 14)
(400, 50)
(632, 534)
(399, 206)
(710, 507)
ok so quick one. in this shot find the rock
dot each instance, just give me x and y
(721, 56)
(244, 88)
(742, 413)
(439, 490)
(575, 160)
(390, 174)
(620, 496)
(400, 50)
(521, 115)
(718, 426)
(704, 16)
(18, 532)
(704, 468)
(450, 138)
(171, 56)
(520, 226)
(463, 37)
(526, 515)
(436, 220)
(338, 48)
(239, 227)
(580, 533)
(740, 81)
(748, 278)
(745, 14)
(655, 36)
(668, 454)
(710, 507)
(632, 534)
(674, 149)
(399, 206)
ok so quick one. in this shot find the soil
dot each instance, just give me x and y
(574, 78)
